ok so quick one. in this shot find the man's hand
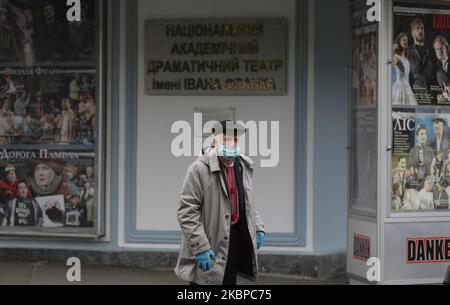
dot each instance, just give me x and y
(260, 236)
(204, 260)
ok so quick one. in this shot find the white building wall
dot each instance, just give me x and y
(159, 174)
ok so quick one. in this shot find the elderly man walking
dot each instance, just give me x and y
(222, 230)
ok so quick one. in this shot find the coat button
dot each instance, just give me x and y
(227, 217)
(225, 238)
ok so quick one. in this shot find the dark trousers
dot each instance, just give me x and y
(231, 268)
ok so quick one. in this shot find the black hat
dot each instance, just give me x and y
(229, 128)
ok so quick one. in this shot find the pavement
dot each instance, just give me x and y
(46, 273)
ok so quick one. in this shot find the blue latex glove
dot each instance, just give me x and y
(260, 236)
(204, 260)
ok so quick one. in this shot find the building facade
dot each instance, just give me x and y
(303, 200)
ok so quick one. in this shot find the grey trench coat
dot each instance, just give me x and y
(204, 215)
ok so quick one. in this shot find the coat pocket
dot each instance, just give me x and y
(212, 277)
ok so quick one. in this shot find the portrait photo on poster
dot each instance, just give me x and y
(420, 51)
(420, 115)
(47, 189)
(421, 160)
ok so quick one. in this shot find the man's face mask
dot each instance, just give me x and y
(229, 153)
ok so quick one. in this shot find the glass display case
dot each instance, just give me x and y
(51, 119)
(399, 216)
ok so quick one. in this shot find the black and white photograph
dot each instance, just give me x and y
(31, 33)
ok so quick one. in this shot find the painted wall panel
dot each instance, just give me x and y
(160, 175)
